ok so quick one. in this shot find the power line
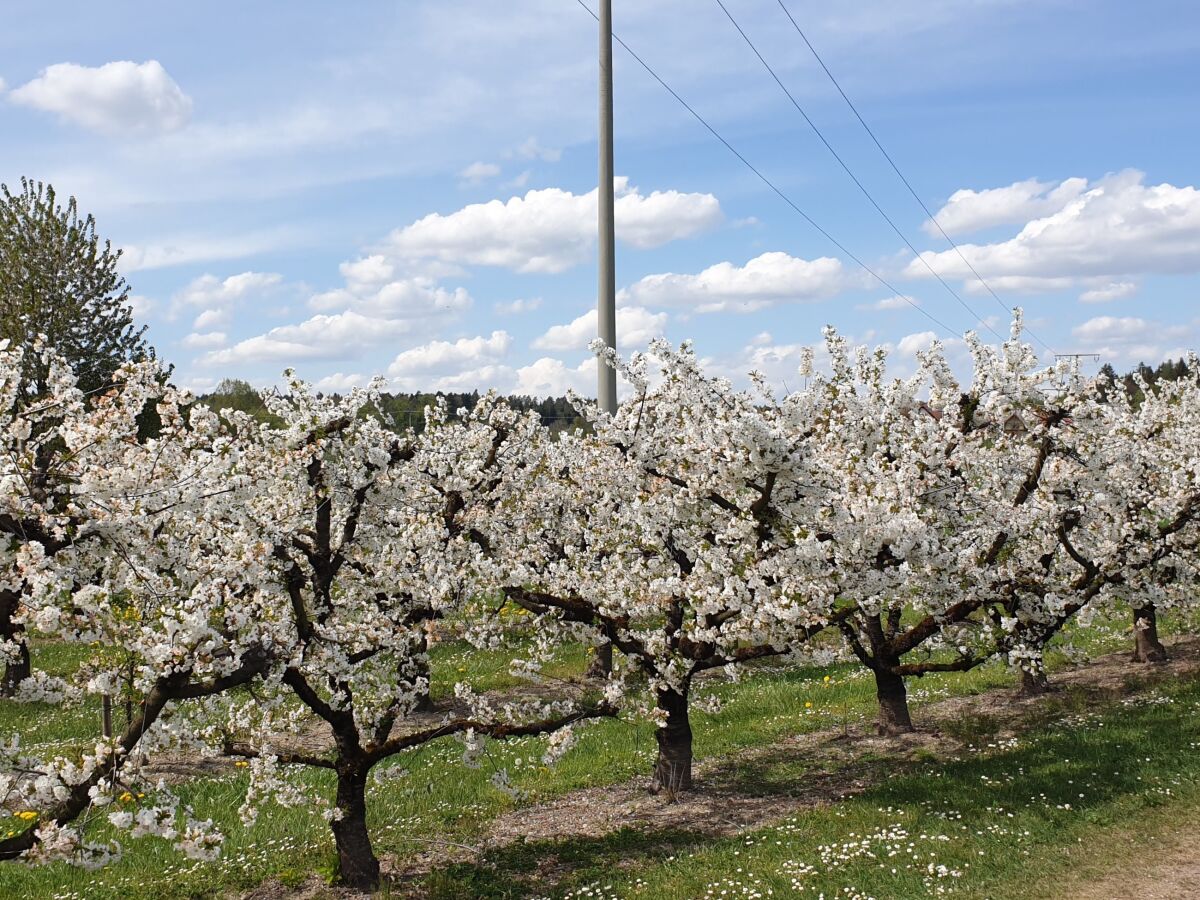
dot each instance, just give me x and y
(866, 193)
(899, 174)
(765, 180)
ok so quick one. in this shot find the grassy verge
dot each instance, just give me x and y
(429, 796)
(1010, 820)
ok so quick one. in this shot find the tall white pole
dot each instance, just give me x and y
(606, 303)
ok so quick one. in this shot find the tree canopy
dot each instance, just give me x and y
(59, 281)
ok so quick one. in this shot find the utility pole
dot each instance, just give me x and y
(606, 301)
(606, 298)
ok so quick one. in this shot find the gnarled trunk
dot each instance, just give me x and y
(893, 702)
(601, 665)
(421, 673)
(1146, 645)
(357, 866)
(17, 670)
(673, 768)
(1034, 682)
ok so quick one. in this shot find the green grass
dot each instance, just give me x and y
(1007, 821)
(434, 797)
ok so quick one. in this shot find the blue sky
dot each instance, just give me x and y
(405, 188)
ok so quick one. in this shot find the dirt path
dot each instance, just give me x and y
(1172, 872)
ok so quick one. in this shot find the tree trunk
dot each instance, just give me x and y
(602, 663)
(1034, 682)
(422, 674)
(18, 671)
(357, 866)
(21, 668)
(893, 703)
(673, 768)
(1146, 645)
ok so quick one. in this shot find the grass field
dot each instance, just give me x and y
(981, 824)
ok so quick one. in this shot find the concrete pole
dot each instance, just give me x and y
(606, 303)
(606, 299)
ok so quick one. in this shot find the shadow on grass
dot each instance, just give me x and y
(533, 868)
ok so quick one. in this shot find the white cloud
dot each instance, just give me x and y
(1118, 226)
(478, 172)
(764, 281)
(551, 230)
(210, 318)
(340, 336)
(141, 306)
(967, 211)
(911, 344)
(183, 250)
(635, 327)
(549, 377)
(896, 301)
(212, 339)
(518, 306)
(518, 182)
(531, 149)
(114, 98)
(3, 85)
(1128, 340)
(338, 383)
(1019, 284)
(1115, 290)
(367, 272)
(216, 296)
(405, 298)
(440, 356)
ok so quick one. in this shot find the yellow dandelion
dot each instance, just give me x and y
(808, 704)
(28, 815)
(126, 797)
(241, 764)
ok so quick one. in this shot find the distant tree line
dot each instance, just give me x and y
(406, 409)
(1170, 370)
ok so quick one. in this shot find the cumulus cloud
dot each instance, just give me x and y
(210, 318)
(340, 383)
(114, 98)
(440, 356)
(140, 305)
(1118, 226)
(340, 336)
(216, 297)
(531, 149)
(635, 327)
(404, 298)
(1114, 290)
(551, 230)
(912, 344)
(197, 341)
(896, 301)
(518, 306)
(766, 280)
(1130, 339)
(478, 172)
(550, 377)
(968, 211)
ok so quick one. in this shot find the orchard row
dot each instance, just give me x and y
(917, 524)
